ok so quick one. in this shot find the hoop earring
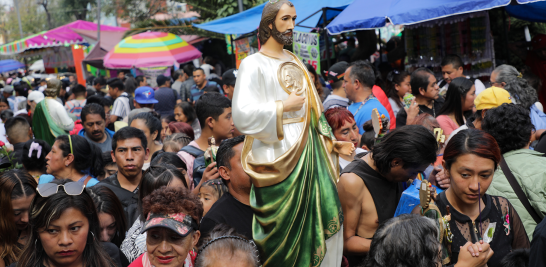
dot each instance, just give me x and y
(93, 237)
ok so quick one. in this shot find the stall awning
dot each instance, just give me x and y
(531, 12)
(370, 14)
(249, 20)
(60, 36)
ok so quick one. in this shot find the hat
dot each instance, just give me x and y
(145, 95)
(492, 97)
(35, 96)
(8, 89)
(161, 79)
(180, 223)
(229, 77)
(337, 71)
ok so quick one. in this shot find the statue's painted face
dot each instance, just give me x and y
(284, 24)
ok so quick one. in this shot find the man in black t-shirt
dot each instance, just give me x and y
(129, 151)
(233, 208)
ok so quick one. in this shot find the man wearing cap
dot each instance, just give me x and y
(8, 94)
(166, 97)
(228, 78)
(338, 98)
(144, 100)
(33, 99)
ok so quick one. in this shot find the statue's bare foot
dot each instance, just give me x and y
(344, 148)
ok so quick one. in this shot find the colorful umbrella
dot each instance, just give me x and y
(10, 64)
(150, 49)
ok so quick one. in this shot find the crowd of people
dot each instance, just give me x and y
(116, 173)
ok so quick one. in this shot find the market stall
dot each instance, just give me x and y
(467, 35)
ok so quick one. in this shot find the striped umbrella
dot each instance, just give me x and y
(10, 64)
(150, 49)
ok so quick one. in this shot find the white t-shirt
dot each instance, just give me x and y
(121, 106)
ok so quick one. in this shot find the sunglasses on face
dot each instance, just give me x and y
(71, 188)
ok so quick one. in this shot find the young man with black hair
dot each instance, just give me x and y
(129, 151)
(121, 107)
(358, 82)
(185, 89)
(370, 187)
(338, 98)
(94, 127)
(18, 132)
(214, 114)
(166, 96)
(75, 106)
(233, 208)
(99, 83)
(424, 88)
(141, 80)
(452, 67)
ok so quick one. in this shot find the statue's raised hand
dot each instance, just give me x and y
(293, 103)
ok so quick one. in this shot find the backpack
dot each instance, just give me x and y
(198, 163)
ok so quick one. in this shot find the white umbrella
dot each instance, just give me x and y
(38, 65)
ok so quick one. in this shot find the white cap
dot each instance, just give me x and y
(35, 96)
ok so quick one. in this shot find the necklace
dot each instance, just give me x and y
(364, 102)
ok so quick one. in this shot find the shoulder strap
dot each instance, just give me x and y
(519, 192)
(196, 152)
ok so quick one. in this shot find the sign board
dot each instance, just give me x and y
(306, 48)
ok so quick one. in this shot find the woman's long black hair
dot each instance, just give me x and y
(45, 210)
(457, 90)
(106, 201)
(87, 156)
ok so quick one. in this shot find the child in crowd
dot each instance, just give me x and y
(368, 137)
(175, 142)
(210, 192)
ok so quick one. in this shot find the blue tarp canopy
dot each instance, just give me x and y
(249, 20)
(535, 12)
(371, 14)
(10, 65)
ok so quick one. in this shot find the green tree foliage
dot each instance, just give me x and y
(178, 27)
(135, 11)
(77, 9)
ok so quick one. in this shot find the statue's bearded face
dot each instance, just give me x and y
(284, 38)
(282, 27)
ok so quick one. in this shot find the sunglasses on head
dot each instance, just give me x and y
(70, 188)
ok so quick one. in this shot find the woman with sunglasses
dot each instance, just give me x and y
(155, 177)
(64, 228)
(470, 160)
(17, 189)
(73, 157)
(171, 228)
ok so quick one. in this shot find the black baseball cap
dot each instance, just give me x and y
(161, 79)
(337, 71)
(229, 77)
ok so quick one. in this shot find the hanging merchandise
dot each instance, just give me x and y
(245, 47)
(467, 35)
(306, 48)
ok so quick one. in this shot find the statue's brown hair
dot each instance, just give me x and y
(268, 17)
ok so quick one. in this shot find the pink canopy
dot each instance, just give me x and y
(65, 35)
